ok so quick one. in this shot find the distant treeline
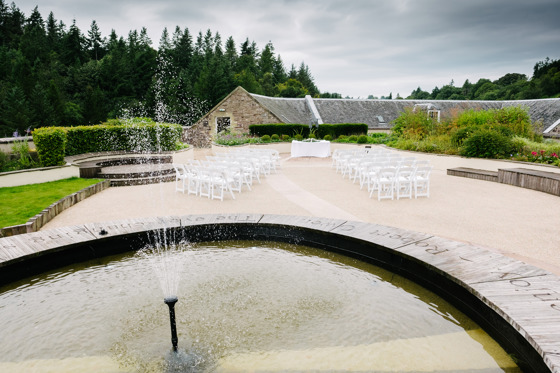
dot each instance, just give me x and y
(55, 75)
(545, 83)
(51, 74)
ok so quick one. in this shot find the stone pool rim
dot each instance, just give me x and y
(515, 303)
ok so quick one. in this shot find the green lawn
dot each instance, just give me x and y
(19, 204)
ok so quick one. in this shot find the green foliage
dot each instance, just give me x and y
(327, 137)
(285, 138)
(139, 135)
(298, 137)
(353, 138)
(459, 136)
(275, 137)
(378, 138)
(3, 160)
(21, 148)
(265, 138)
(232, 139)
(487, 143)
(57, 75)
(362, 139)
(279, 129)
(413, 124)
(50, 143)
(341, 129)
(512, 86)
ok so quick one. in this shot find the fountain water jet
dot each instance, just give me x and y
(167, 261)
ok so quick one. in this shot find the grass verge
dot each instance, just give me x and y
(19, 204)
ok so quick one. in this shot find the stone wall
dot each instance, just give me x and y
(242, 109)
(198, 135)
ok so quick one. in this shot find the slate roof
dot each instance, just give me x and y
(378, 114)
(289, 110)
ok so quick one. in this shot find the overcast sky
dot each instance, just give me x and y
(353, 47)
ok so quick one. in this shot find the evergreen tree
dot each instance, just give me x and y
(15, 111)
(95, 44)
(304, 76)
(73, 46)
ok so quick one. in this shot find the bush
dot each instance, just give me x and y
(285, 138)
(337, 130)
(3, 159)
(136, 135)
(353, 138)
(312, 136)
(378, 138)
(298, 137)
(21, 148)
(265, 138)
(362, 139)
(275, 137)
(459, 136)
(327, 137)
(50, 143)
(413, 124)
(232, 139)
(279, 128)
(487, 144)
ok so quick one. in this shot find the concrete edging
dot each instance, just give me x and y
(39, 220)
(517, 304)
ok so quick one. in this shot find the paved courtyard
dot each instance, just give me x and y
(517, 222)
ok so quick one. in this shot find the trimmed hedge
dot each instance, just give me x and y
(334, 130)
(341, 129)
(279, 129)
(50, 143)
(139, 135)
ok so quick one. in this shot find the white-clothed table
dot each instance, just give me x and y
(311, 148)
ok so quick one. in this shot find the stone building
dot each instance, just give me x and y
(240, 109)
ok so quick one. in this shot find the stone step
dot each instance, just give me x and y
(473, 173)
(136, 171)
(142, 180)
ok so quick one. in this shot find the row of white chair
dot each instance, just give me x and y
(222, 174)
(390, 180)
(389, 174)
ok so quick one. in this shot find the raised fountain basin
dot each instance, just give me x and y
(517, 304)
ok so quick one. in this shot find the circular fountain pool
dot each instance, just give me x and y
(243, 306)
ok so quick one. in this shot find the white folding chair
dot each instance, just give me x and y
(180, 176)
(386, 183)
(204, 182)
(403, 182)
(422, 182)
(373, 175)
(219, 184)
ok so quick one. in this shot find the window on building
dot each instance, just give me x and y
(222, 123)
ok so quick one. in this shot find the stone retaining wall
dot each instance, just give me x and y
(39, 220)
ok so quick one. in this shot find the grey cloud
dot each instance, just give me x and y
(355, 47)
